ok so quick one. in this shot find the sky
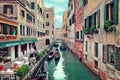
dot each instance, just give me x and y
(59, 6)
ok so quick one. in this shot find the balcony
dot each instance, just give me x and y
(7, 37)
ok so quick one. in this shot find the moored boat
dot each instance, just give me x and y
(50, 55)
(57, 55)
(63, 47)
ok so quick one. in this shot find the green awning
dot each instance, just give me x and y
(14, 43)
(28, 40)
(8, 44)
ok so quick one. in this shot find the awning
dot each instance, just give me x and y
(14, 43)
(8, 44)
(27, 40)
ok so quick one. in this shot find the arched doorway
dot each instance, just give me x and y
(47, 41)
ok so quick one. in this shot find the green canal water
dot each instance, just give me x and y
(69, 68)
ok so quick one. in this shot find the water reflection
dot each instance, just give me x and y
(59, 73)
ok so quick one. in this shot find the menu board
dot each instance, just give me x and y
(117, 65)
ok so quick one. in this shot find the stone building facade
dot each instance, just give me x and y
(64, 26)
(79, 28)
(101, 39)
(49, 24)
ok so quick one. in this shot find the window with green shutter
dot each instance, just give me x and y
(5, 29)
(96, 49)
(98, 18)
(106, 11)
(111, 52)
(94, 19)
(115, 17)
(88, 22)
(117, 57)
(12, 30)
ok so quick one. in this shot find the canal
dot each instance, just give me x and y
(69, 68)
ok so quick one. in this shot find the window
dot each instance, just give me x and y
(70, 22)
(20, 29)
(12, 30)
(38, 34)
(81, 35)
(52, 32)
(40, 10)
(111, 52)
(43, 26)
(77, 35)
(73, 18)
(47, 15)
(47, 32)
(104, 57)
(71, 6)
(96, 64)
(47, 24)
(111, 11)
(90, 21)
(22, 13)
(31, 31)
(117, 65)
(29, 18)
(34, 20)
(8, 9)
(98, 18)
(85, 23)
(85, 2)
(96, 49)
(1, 28)
(23, 30)
(32, 5)
(86, 46)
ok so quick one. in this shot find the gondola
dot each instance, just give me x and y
(50, 55)
(57, 55)
(63, 47)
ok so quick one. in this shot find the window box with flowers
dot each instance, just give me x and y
(94, 29)
(109, 27)
(87, 32)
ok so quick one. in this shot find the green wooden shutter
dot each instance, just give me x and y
(99, 18)
(106, 11)
(93, 22)
(115, 17)
(94, 19)
(11, 30)
(88, 22)
(117, 57)
(5, 31)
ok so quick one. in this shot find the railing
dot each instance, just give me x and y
(8, 37)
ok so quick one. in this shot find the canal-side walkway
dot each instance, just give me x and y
(70, 68)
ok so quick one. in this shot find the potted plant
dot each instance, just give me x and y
(112, 29)
(21, 72)
(107, 25)
(94, 29)
(86, 31)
